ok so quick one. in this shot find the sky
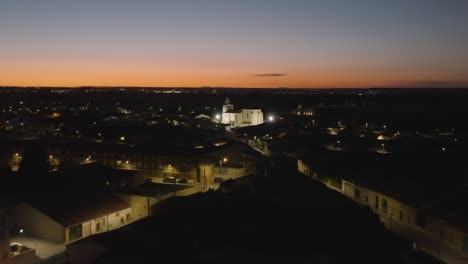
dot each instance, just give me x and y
(234, 43)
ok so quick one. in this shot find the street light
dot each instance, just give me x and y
(383, 148)
(339, 144)
(271, 118)
(173, 175)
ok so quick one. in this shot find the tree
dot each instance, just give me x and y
(34, 167)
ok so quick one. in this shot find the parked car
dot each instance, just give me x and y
(218, 179)
(169, 180)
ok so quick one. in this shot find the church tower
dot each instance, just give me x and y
(227, 105)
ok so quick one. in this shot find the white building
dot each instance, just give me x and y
(240, 117)
(69, 221)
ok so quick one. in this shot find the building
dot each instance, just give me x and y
(406, 196)
(68, 220)
(12, 252)
(240, 117)
(147, 161)
(391, 211)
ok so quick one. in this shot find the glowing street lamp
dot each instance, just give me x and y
(122, 138)
(173, 175)
(271, 118)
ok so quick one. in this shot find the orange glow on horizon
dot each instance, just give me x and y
(81, 74)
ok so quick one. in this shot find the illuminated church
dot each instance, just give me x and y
(240, 117)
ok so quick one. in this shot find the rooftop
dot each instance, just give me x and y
(70, 211)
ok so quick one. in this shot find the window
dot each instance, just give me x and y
(128, 217)
(98, 227)
(121, 220)
(75, 232)
(402, 217)
(357, 193)
(384, 205)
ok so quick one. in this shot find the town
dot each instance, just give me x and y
(83, 168)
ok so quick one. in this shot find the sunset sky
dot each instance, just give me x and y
(235, 43)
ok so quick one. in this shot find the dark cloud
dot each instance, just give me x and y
(271, 75)
(427, 84)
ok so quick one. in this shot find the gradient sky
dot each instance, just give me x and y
(235, 43)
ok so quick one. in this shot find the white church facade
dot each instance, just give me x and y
(240, 117)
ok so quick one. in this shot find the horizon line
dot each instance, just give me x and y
(215, 87)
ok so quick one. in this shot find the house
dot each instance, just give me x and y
(68, 219)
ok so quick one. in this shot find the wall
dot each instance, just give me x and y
(37, 224)
(253, 116)
(139, 205)
(227, 173)
(106, 223)
(334, 184)
(118, 219)
(389, 209)
(445, 232)
(102, 221)
(205, 174)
